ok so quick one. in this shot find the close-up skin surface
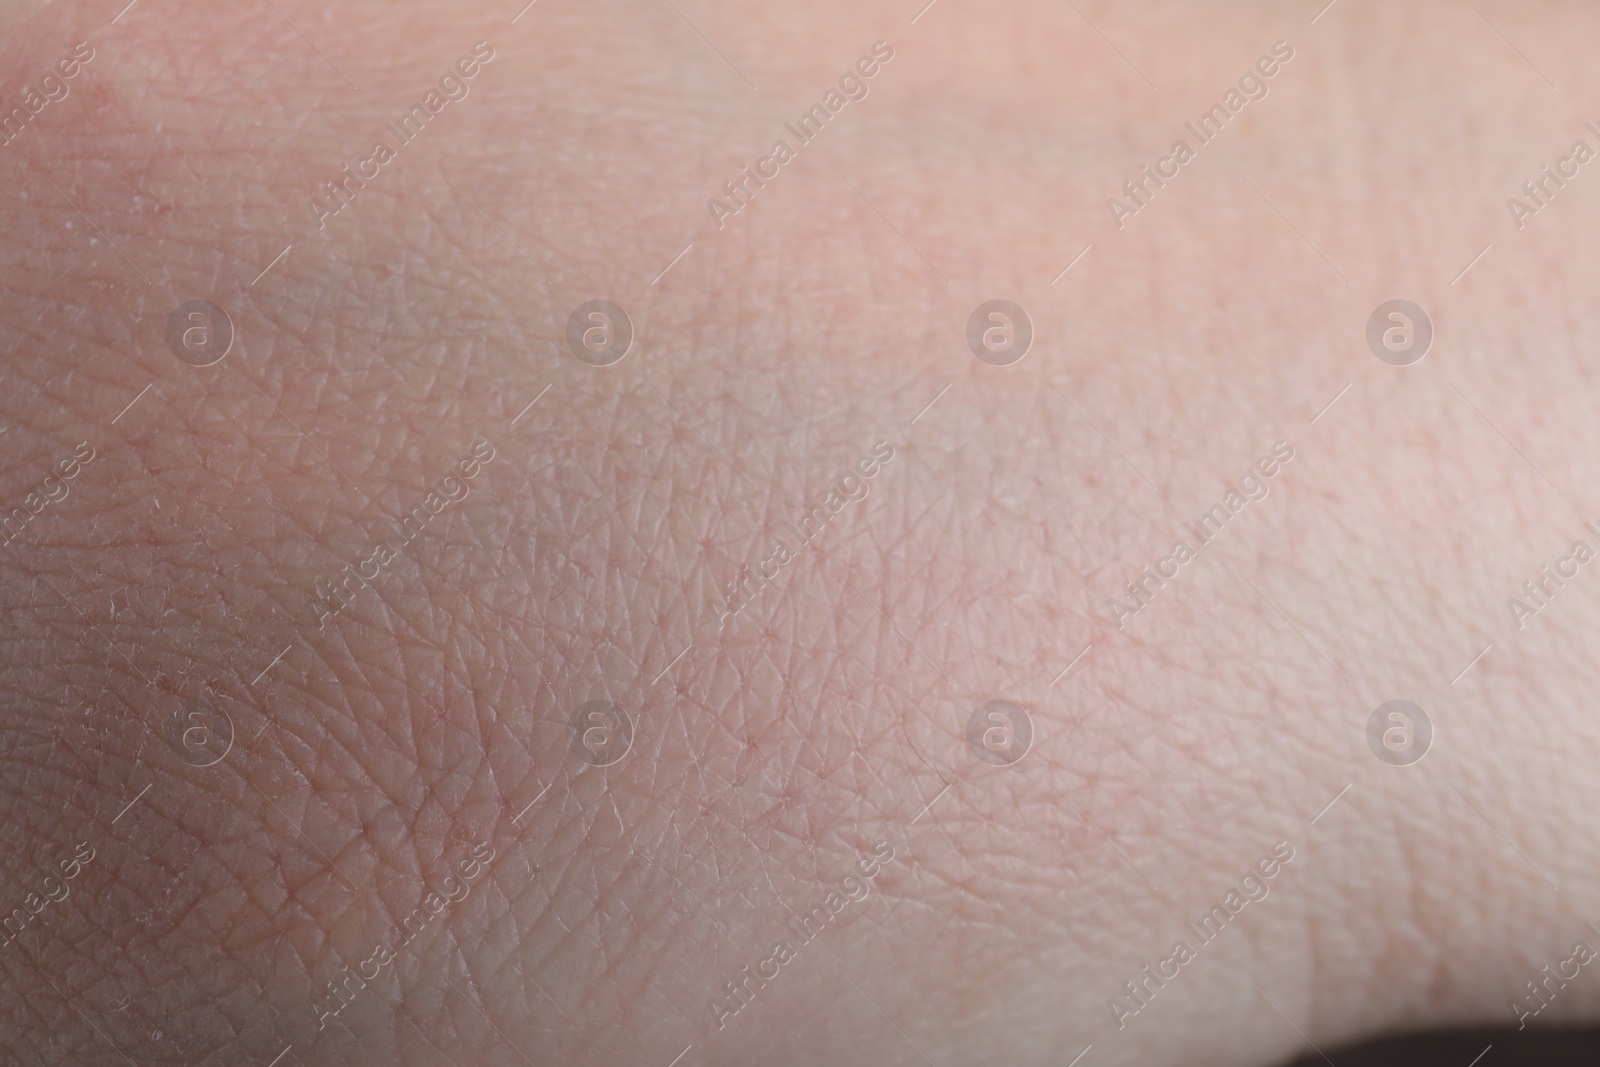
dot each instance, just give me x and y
(408, 660)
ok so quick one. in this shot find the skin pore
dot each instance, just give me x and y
(376, 834)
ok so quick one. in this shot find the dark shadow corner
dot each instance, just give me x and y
(1461, 1048)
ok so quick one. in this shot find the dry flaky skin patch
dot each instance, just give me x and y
(400, 858)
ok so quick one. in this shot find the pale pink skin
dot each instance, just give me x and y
(431, 716)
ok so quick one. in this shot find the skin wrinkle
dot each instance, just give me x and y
(922, 596)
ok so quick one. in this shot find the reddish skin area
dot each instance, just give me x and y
(425, 729)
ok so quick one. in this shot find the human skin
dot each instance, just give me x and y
(774, 748)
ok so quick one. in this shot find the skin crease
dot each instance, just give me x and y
(431, 718)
